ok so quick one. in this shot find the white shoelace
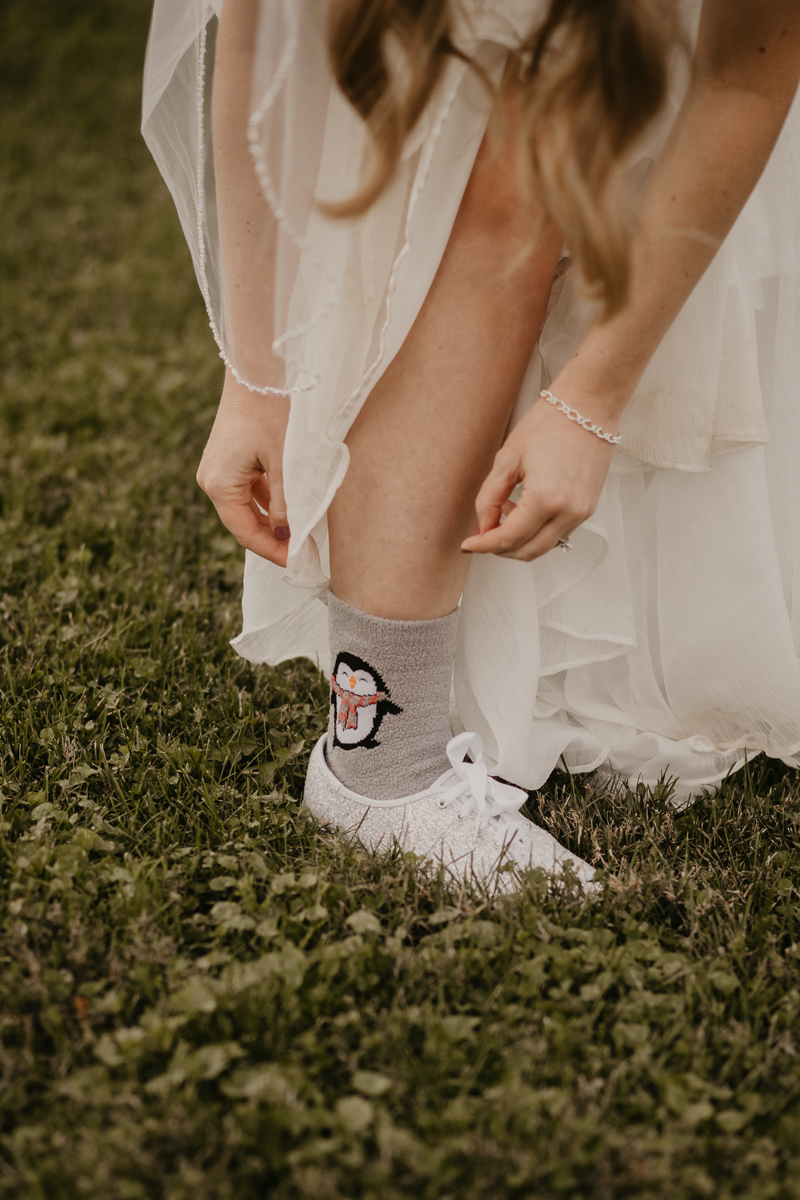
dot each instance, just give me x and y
(496, 805)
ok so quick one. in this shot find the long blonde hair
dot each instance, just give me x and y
(593, 76)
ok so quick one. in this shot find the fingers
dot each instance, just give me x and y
(563, 471)
(259, 490)
(278, 516)
(544, 541)
(531, 528)
(245, 510)
(516, 531)
(251, 528)
(270, 499)
(240, 470)
(496, 489)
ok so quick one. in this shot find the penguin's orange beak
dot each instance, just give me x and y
(352, 682)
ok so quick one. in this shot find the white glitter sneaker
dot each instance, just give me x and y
(467, 821)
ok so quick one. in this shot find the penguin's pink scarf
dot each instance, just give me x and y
(348, 711)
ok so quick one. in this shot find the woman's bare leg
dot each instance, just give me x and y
(425, 439)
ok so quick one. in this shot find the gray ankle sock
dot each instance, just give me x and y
(390, 700)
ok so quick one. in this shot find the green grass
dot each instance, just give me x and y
(199, 996)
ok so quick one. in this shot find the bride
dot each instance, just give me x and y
(507, 294)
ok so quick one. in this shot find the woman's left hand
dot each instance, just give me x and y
(562, 468)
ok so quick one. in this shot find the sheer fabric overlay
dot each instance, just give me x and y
(666, 643)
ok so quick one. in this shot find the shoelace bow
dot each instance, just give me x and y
(488, 798)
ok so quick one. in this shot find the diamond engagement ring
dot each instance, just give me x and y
(564, 543)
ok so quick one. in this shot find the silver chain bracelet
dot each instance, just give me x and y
(574, 415)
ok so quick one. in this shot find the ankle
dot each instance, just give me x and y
(390, 700)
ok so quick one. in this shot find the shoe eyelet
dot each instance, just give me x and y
(441, 803)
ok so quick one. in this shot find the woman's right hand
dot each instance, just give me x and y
(241, 470)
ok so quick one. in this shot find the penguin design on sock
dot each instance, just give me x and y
(361, 700)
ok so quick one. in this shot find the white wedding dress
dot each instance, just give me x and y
(666, 643)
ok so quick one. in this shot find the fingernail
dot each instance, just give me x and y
(476, 531)
(282, 533)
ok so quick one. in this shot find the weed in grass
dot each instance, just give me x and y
(201, 997)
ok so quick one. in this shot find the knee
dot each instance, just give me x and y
(497, 197)
(500, 205)
(500, 223)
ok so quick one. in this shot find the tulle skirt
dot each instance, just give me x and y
(665, 644)
(660, 648)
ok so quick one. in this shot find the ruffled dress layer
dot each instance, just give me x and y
(665, 645)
